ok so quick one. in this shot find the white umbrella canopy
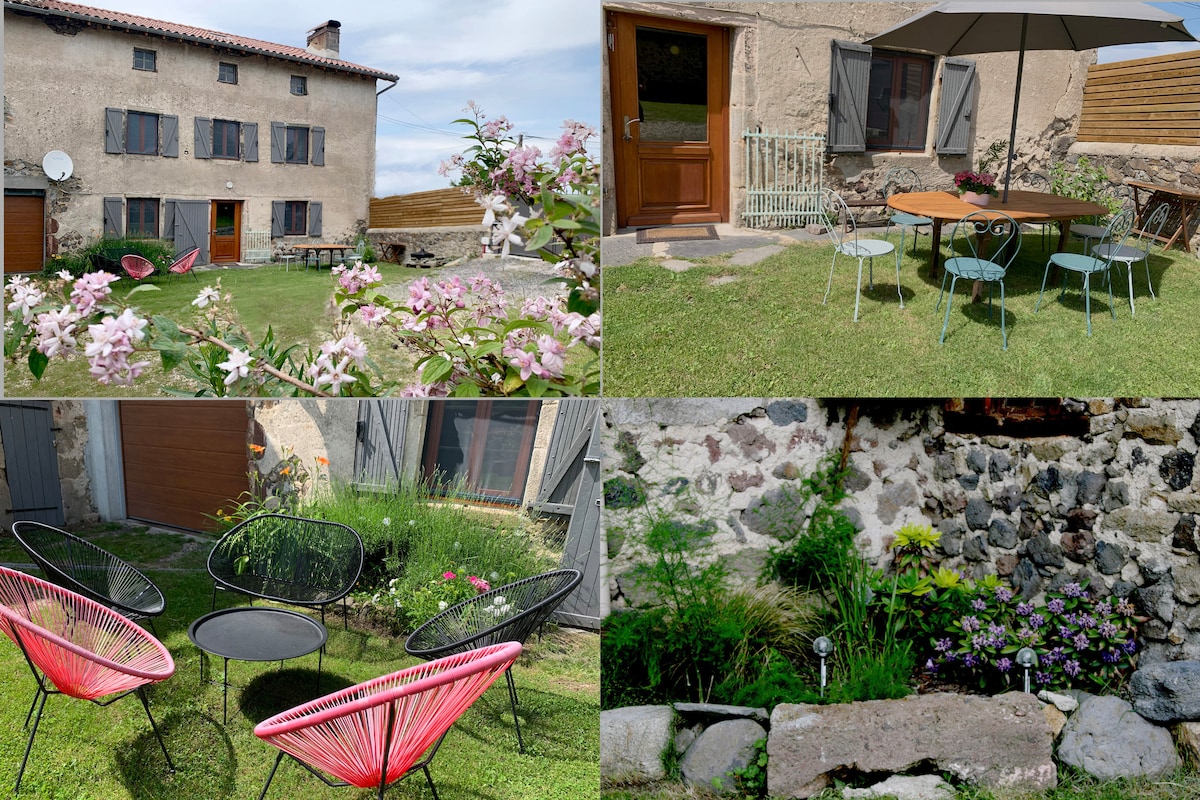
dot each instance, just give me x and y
(959, 28)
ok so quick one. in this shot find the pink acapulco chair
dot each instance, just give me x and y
(376, 733)
(136, 266)
(77, 647)
(184, 263)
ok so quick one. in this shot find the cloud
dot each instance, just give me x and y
(1128, 52)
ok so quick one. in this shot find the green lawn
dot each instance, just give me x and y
(294, 303)
(84, 752)
(723, 330)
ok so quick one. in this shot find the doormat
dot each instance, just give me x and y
(689, 233)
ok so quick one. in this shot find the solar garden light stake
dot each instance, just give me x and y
(823, 647)
(1026, 658)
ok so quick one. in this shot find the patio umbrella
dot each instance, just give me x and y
(959, 28)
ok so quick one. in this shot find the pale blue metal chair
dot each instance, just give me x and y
(974, 236)
(1136, 248)
(843, 232)
(1118, 197)
(1035, 182)
(898, 180)
(1088, 265)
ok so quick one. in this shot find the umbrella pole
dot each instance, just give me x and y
(1012, 136)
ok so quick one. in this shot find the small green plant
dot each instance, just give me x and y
(814, 557)
(996, 152)
(751, 779)
(1083, 180)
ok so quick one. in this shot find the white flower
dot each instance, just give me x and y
(495, 576)
(496, 204)
(412, 522)
(238, 366)
(387, 521)
(499, 599)
(442, 605)
(457, 545)
(207, 295)
(506, 233)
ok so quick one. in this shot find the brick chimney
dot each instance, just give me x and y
(325, 39)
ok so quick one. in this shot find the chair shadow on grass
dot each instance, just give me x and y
(547, 721)
(205, 762)
(278, 690)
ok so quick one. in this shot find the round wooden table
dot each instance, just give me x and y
(943, 207)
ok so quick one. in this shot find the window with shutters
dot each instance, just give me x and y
(296, 145)
(299, 85)
(295, 218)
(226, 137)
(227, 73)
(898, 101)
(141, 133)
(141, 217)
(146, 60)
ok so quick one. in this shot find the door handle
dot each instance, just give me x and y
(628, 136)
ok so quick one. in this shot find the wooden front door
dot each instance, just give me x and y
(226, 237)
(670, 120)
(24, 232)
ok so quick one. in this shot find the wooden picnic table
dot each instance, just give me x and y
(1182, 206)
(393, 251)
(1022, 206)
(317, 249)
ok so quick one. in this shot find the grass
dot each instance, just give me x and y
(722, 330)
(295, 304)
(84, 752)
(1072, 785)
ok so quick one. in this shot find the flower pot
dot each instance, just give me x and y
(975, 198)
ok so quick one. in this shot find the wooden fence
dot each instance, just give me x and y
(440, 208)
(1144, 101)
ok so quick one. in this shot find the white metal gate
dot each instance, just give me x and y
(784, 175)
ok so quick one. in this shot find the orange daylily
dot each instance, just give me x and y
(323, 461)
(258, 449)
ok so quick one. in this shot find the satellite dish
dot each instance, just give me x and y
(58, 165)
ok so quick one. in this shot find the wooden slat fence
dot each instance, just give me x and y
(1144, 101)
(439, 208)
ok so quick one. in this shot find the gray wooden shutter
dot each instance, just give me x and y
(379, 443)
(584, 548)
(202, 148)
(114, 217)
(278, 135)
(955, 107)
(276, 218)
(168, 219)
(27, 433)
(169, 146)
(114, 130)
(849, 81)
(314, 219)
(318, 147)
(250, 140)
(191, 227)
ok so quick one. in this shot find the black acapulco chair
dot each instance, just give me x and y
(294, 560)
(508, 613)
(90, 570)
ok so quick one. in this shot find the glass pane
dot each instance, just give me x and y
(224, 219)
(910, 119)
(454, 441)
(506, 429)
(879, 101)
(672, 75)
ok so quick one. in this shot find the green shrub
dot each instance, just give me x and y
(814, 557)
(105, 254)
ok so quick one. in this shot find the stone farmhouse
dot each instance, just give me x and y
(691, 87)
(204, 138)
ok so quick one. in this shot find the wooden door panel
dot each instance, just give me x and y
(675, 183)
(24, 233)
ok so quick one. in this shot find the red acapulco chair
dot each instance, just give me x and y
(136, 266)
(184, 263)
(377, 733)
(77, 647)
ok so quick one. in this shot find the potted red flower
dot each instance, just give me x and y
(975, 187)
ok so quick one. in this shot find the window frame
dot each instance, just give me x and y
(291, 134)
(437, 480)
(290, 228)
(897, 61)
(142, 128)
(137, 231)
(236, 140)
(225, 68)
(145, 54)
(298, 85)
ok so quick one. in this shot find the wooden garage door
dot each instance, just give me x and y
(23, 233)
(182, 459)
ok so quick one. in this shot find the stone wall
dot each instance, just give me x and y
(446, 244)
(1116, 503)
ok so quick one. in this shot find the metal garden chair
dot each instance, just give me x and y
(508, 613)
(304, 562)
(896, 181)
(77, 647)
(1089, 265)
(974, 236)
(1035, 182)
(136, 266)
(1136, 248)
(376, 733)
(1094, 231)
(91, 571)
(846, 242)
(184, 264)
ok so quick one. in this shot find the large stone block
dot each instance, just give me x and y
(1107, 739)
(1167, 692)
(721, 749)
(632, 742)
(999, 741)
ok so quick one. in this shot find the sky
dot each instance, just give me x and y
(536, 62)
(1191, 20)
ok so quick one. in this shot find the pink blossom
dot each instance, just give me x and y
(495, 127)
(207, 295)
(373, 315)
(420, 299)
(91, 290)
(552, 352)
(55, 332)
(526, 362)
(448, 575)
(113, 341)
(480, 584)
(26, 296)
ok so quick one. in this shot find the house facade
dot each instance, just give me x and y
(690, 88)
(202, 138)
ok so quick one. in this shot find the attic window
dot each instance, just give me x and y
(227, 73)
(299, 85)
(145, 59)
